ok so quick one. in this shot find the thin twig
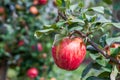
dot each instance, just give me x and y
(63, 16)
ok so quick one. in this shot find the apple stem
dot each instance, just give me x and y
(91, 42)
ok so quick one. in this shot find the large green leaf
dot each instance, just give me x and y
(77, 21)
(102, 61)
(86, 70)
(112, 40)
(38, 33)
(114, 73)
(99, 9)
(95, 78)
(107, 22)
(116, 25)
(104, 74)
(114, 51)
(57, 38)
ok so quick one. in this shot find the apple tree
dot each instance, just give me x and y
(87, 30)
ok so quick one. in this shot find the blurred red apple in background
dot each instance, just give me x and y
(35, 2)
(32, 72)
(69, 53)
(44, 55)
(39, 47)
(2, 10)
(114, 45)
(33, 10)
(43, 2)
(21, 43)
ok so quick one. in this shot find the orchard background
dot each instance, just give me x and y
(29, 28)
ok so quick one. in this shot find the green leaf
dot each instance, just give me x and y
(60, 23)
(38, 33)
(95, 78)
(107, 22)
(102, 61)
(116, 25)
(97, 66)
(57, 38)
(114, 73)
(59, 2)
(99, 9)
(73, 7)
(77, 21)
(94, 56)
(102, 19)
(109, 41)
(86, 70)
(67, 3)
(114, 51)
(108, 1)
(104, 74)
(76, 28)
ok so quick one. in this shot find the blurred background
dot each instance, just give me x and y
(20, 49)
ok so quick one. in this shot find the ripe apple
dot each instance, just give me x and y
(21, 43)
(69, 53)
(2, 13)
(35, 2)
(114, 45)
(2, 10)
(44, 55)
(33, 10)
(43, 2)
(32, 72)
(39, 47)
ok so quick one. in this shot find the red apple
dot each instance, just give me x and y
(114, 45)
(33, 10)
(44, 55)
(69, 53)
(39, 47)
(32, 72)
(21, 43)
(33, 47)
(2, 10)
(43, 2)
(35, 2)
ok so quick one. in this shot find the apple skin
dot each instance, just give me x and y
(35, 2)
(43, 2)
(2, 10)
(69, 53)
(21, 43)
(33, 10)
(32, 72)
(39, 47)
